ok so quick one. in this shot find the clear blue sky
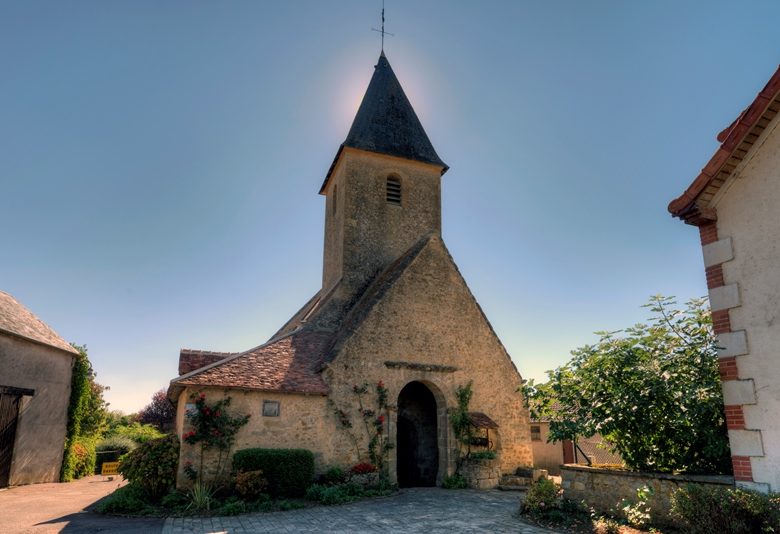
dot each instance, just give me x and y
(160, 161)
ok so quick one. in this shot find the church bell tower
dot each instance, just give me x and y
(383, 190)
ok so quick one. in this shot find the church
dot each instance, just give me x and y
(393, 311)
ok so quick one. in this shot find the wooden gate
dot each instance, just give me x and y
(9, 413)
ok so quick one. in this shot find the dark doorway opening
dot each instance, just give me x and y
(9, 412)
(417, 436)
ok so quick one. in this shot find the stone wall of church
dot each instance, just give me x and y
(304, 422)
(427, 327)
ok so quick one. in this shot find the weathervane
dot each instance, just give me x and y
(382, 31)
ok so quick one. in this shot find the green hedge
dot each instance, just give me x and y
(288, 471)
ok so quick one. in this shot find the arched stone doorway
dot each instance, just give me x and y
(417, 436)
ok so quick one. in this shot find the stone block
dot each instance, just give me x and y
(718, 252)
(579, 486)
(724, 297)
(738, 392)
(746, 443)
(755, 486)
(732, 344)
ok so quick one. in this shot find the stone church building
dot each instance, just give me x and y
(393, 308)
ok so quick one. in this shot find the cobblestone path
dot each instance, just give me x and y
(428, 510)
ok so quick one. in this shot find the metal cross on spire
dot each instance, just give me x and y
(382, 31)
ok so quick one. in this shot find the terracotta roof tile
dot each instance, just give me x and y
(18, 320)
(481, 420)
(190, 359)
(731, 138)
(288, 364)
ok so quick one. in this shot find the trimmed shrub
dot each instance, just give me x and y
(152, 466)
(79, 459)
(110, 449)
(288, 471)
(702, 510)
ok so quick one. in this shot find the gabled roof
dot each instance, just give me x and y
(288, 364)
(386, 122)
(481, 420)
(17, 320)
(384, 283)
(693, 206)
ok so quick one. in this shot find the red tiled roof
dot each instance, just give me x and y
(190, 359)
(288, 364)
(17, 320)
(732, 140)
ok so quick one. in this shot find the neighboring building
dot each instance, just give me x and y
(35, 375)
(550, 456)
(393, 308)
(735, 203)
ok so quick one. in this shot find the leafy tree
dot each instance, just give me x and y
(652, 390)
(159, 412)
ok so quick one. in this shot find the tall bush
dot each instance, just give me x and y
(652, 392)
(152, 466)
(703, 510)
(80, 458)
(87, 416)
(288, 471)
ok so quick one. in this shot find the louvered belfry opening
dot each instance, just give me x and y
(393, 190)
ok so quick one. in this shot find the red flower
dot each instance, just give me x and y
(381, 419)
(363, 468)
(380, 384)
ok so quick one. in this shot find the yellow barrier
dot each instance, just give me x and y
(109, 468)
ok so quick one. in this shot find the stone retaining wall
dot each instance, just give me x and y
(604, 489)
(482, 474)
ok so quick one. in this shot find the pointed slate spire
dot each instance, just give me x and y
(387, 123)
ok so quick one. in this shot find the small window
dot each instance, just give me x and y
(536, 433)
(335, 198)
(270, 408)
(393, 190)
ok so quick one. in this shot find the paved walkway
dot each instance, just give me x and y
(63, 508)
(428, 510)
(40, 508)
